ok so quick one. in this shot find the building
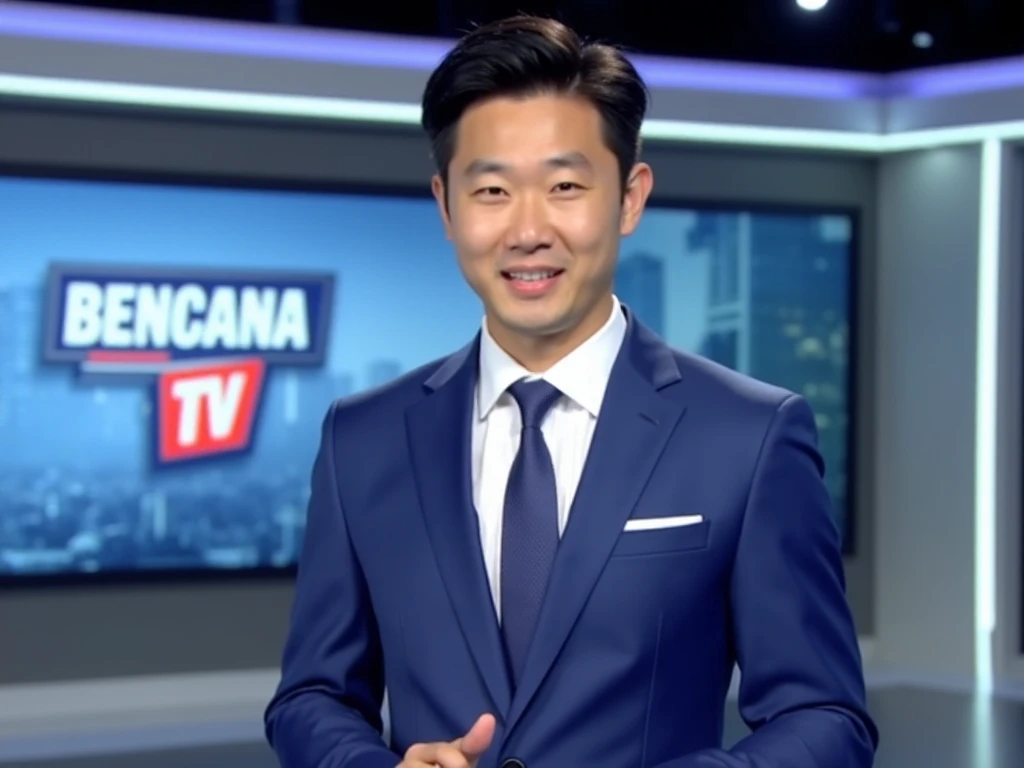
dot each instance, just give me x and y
(778, 309)
(640, 285)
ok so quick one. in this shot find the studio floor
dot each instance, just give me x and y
(918, 727)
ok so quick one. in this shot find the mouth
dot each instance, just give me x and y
(531, 275)
(531, 283)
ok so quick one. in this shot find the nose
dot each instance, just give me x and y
(530, 228)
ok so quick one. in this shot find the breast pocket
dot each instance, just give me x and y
(657, 541)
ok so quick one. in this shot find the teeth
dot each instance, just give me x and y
(528, 276)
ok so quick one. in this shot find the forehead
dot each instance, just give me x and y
(531, 128)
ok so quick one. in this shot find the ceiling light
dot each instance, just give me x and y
(812, 5)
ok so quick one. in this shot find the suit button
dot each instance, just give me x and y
(513, 762)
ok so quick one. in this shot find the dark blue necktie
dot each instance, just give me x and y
(529, 536)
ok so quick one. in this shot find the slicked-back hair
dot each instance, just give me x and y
(527, 56)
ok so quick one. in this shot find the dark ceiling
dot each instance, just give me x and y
(867, 35)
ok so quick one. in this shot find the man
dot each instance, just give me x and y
(552, 547)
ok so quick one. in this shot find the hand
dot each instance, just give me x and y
(464, 752)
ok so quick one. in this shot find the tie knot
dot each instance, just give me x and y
(535, 399)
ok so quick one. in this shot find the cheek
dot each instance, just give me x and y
(481, 234)
(478, 229)
(476, 244)
(590, 237)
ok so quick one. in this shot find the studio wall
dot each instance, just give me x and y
(87, 632)
(926, 313)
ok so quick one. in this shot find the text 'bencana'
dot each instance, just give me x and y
(204, 338)
(127, 315)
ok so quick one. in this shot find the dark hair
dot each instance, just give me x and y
(525, 56)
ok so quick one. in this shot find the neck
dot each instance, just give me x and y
(539, 353)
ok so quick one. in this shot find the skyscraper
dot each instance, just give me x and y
(7, 328)
(19, 331)
(381, 372)
(343, 384)
(726, 239)
(640, 284)
(778, 309)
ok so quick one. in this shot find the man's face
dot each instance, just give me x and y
(536, 211)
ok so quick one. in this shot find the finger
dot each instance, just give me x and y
(448, 756)
(420, 754)
(478, 739)
(433, 756)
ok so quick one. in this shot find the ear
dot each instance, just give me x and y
(638, 188)
(441, 196)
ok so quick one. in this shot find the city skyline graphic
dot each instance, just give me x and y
(765, 293)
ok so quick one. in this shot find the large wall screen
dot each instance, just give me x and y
(168, 351)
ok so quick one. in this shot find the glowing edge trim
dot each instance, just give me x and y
(395, 113)
(986, 411)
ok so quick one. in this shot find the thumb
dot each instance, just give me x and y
(478, 738)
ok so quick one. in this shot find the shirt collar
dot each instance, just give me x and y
(582, 375)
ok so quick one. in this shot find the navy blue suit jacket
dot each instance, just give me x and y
(639, 631)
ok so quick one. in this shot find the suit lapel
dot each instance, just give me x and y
(632, 430)
(440, 434)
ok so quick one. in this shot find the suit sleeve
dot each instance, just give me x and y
(326, 712)
(802, 689)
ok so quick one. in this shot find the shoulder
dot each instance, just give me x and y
(737, 413)
(374, 406)
(384, 406)
(721, 387)
(758, 429)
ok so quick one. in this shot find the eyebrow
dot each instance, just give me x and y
(572, 160)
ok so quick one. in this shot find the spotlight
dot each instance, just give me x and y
(812, 5)
(923, 40)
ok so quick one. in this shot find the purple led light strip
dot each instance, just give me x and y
(991, 75)
(151, 31)
(421, 54)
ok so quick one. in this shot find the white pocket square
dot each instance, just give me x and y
(655, 523)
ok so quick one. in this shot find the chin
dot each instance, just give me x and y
(538, 324)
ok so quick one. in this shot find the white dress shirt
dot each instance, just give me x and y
(582, 377)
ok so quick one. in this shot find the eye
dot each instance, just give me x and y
(567, 186)
(489, 192)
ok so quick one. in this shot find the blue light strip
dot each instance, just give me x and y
(399, 113)
(986, 419)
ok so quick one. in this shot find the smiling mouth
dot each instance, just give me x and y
(531, 276)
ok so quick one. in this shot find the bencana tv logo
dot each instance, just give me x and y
(204, 340)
